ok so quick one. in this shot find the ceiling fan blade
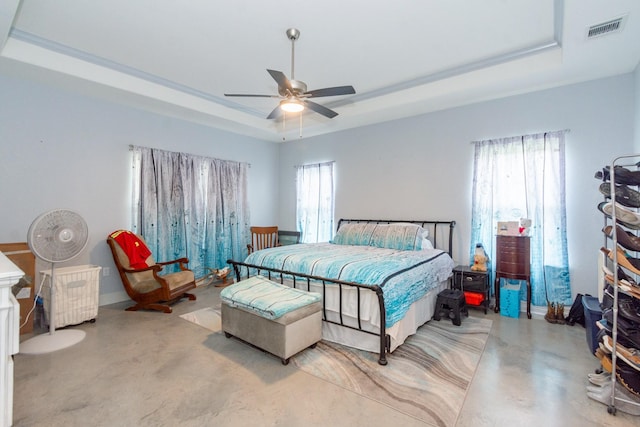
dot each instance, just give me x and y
(281, 79)
(320, 109)
(331, 91)
(249, 95)
(277, 112)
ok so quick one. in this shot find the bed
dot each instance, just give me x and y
(379, 279)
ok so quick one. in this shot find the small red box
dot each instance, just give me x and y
(473, 298)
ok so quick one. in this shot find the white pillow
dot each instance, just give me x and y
(426, 244)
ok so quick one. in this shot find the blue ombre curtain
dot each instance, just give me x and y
(193, 206)
(524, 177)
(315, 204)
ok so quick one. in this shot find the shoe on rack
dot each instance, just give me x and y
(598, 389)
(601, 334)
(629, 289)
(609, 295)
(604, 348)
(619, 220)
(625, 288)
(605, 361)
(631, 264)
(624, 325)
(621, 273)
(624, 276)
(628, 332)
(599, 375)
(603, 395)
(629, 309)
(602, 175)
(600, 379)
(628, 377)
(626, 239)
(624, 195)
(607, 326)
(627, 216)
(631, 356)
(602, 324)
(622, 175)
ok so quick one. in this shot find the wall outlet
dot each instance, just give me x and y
(106, 271)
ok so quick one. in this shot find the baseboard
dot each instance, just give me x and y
(536, 311)
(113, 297)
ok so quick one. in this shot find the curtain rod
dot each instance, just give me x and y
(314, 164)
(131, 147)
(520, 136)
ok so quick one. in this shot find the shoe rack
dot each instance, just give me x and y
(622, 212)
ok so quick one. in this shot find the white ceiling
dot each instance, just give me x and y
(404, 58)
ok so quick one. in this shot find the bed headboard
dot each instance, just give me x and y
(440, 232)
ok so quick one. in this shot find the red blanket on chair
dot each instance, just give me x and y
(133, 247)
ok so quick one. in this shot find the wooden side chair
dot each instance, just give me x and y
(142, 276)
(262, 238)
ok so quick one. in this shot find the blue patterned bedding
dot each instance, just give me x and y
(404, 276)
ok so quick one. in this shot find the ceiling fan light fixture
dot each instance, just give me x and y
(293, 94)
(291, 105)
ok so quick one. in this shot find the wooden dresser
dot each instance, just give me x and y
(513, 261)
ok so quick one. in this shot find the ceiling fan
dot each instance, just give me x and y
(293, 94)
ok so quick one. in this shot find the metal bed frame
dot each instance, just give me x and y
(299, 279)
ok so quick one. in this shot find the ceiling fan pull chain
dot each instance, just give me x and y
(300, 125)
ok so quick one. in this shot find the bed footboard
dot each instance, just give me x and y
(304, 281)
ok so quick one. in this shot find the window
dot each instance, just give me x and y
(315, 202)
(523, 177)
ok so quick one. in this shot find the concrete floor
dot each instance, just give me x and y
(154, 369)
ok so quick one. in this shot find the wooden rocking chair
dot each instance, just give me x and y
(145, 285)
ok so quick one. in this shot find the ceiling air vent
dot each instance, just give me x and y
(608, 27)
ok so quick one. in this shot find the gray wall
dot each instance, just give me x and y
(421, 167)
(61, 150)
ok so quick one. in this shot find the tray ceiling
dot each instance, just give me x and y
(404, 58)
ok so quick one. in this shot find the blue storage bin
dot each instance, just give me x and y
(510, 299)
(592, 314)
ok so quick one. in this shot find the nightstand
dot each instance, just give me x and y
(475, 283)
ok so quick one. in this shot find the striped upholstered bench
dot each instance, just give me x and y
(276, 318)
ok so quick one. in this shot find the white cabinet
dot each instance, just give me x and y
(10, 274)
